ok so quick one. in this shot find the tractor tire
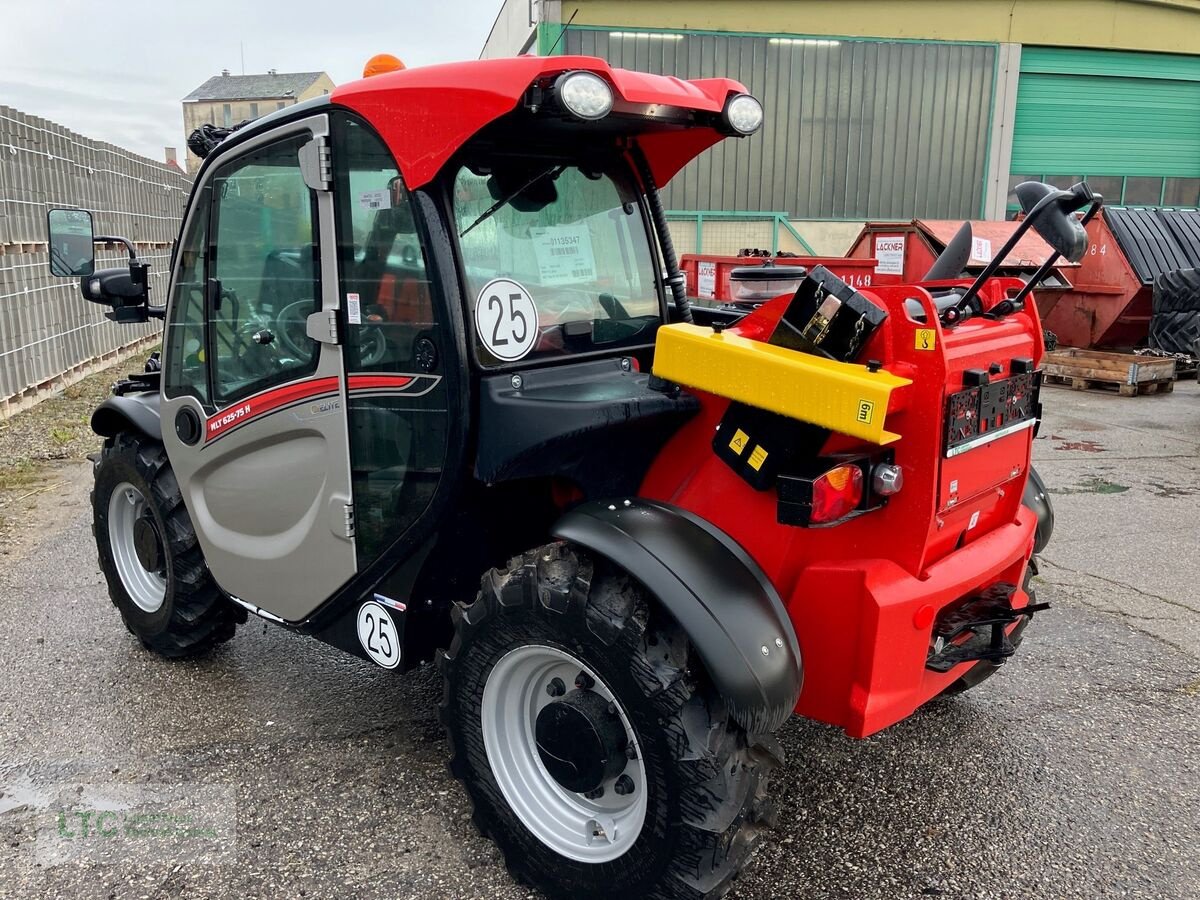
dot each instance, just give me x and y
(1175, 323)
(149, 555)
(1177, 292)
(982, 671)
(554, 620)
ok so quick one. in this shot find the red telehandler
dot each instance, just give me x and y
(430, 380)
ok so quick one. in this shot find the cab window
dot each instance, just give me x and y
(395, 347)
(556, 258)
(264, 272)
(186, 373)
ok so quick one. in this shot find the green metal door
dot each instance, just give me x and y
(1108, 114)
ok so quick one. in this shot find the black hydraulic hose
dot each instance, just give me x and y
(658, 215)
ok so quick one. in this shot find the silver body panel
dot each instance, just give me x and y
(270, 498)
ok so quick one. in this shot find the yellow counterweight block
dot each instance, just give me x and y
(842, 397)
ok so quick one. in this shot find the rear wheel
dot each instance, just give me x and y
(595, 752)
(149, 554)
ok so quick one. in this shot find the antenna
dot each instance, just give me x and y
(554, 46)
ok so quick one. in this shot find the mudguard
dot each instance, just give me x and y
(1038, 499)
(732, 614)
(131, 411)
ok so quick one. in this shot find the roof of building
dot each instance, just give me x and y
(266, 86)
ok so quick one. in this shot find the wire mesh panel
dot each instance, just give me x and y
(48, 332)
(724, 234)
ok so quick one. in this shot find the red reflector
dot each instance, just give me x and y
(836, 494)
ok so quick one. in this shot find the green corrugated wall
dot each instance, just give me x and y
(1098, 112)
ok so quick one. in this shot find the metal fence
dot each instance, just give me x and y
(49, 335)
(724, 233)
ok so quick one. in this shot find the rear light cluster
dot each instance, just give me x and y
(837, 489)
(836, 494)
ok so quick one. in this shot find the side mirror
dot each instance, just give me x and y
(1051, 214)
(72, 243)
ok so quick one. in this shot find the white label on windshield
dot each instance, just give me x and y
(506, 319)
(889, 255)
(564, 254)
(706, 277)
(380, 199)
(981, 249)
(353, 309)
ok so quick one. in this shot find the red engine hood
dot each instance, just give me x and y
(426, 114)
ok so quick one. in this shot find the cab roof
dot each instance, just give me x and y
(427, 114)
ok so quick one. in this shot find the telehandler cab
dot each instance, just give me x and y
(430, 379)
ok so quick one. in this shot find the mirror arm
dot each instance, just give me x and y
(106, 239)
(1044, 270)
(990, 269)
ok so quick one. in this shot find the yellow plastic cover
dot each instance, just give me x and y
(839, 396)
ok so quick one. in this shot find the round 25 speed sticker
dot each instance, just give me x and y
(506, 319)
(377, 634)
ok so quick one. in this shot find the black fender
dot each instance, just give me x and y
(1037, 498)
(730, 610)
(131, 412)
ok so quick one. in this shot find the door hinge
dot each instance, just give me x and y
(316, 164)
(322, 326)
(348, 530)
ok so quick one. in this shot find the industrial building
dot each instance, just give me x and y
(879, 109)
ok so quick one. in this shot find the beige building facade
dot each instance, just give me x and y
(225, 100)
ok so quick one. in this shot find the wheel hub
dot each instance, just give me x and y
(138, 552)
(147, 543)
(581, 741)
(578, 785)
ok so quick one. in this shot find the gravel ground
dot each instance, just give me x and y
(1074, 773)
(33, 442)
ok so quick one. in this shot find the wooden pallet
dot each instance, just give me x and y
(1129, 374)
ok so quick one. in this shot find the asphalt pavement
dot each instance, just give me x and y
(1073, 773)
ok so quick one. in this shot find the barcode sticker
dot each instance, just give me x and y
(564, 254)
(380, 199)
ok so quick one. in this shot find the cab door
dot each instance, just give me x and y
(254, 390)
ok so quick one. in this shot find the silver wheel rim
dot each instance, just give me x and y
(147, 589)
(590, 830)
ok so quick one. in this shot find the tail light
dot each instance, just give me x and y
(834, 489)
(836, 494)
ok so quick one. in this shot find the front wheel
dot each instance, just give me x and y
(596, 754)
(149, 553)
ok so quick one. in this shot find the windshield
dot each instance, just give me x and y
(557, 261)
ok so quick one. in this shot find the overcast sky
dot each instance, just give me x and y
(118, 71)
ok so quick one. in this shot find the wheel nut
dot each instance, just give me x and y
(630, 751)
(596, 794)
(584, 681)
(612, 709)
(624, 785)
(556, 688)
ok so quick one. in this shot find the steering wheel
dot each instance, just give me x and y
(291, 323)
